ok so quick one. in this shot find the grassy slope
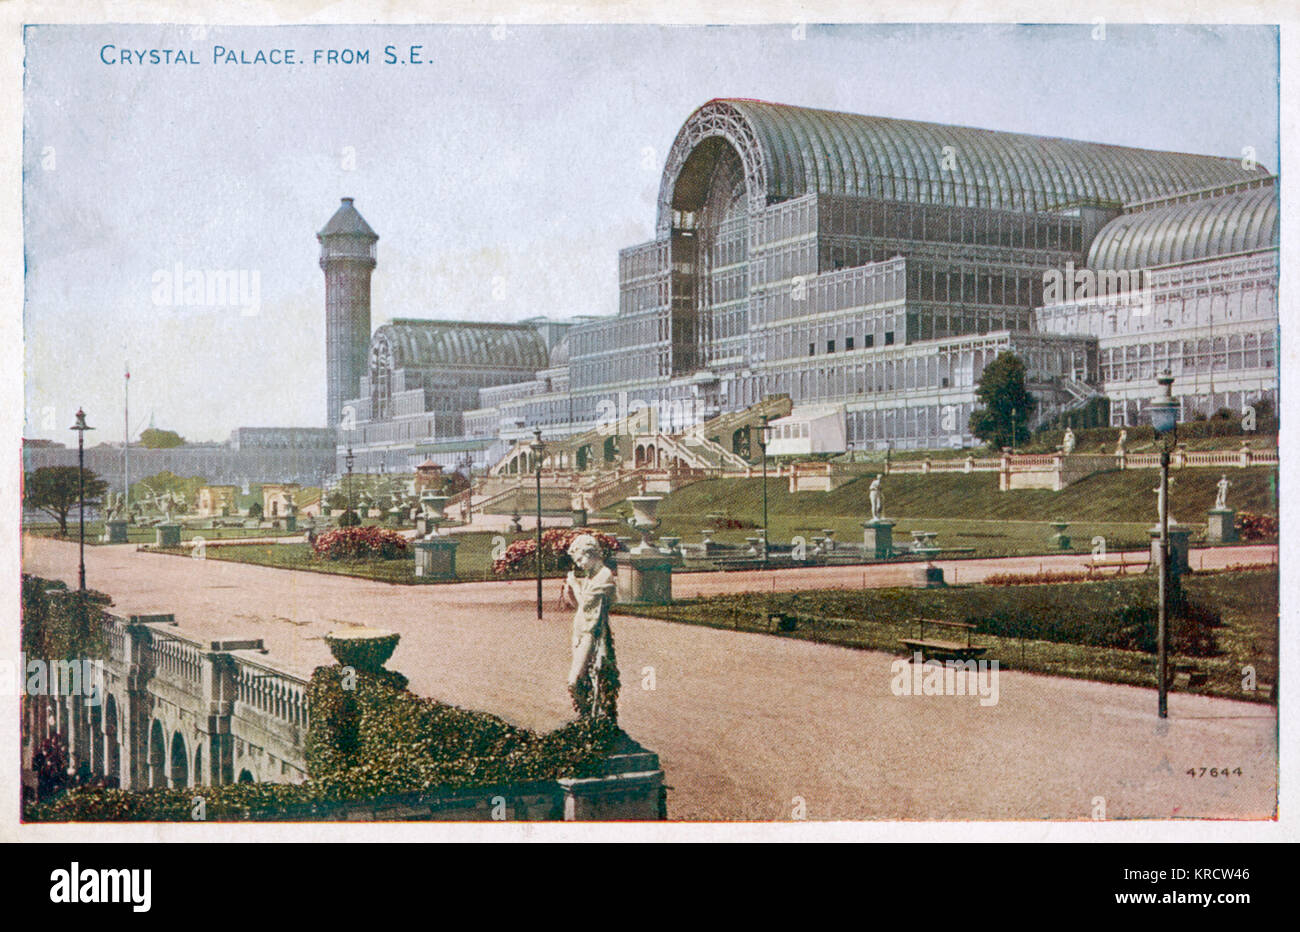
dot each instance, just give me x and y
(1114, 496)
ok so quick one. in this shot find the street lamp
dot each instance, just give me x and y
(762, 446)
(348, 461)
(1164, 418)
(81, 427)
(537, 448)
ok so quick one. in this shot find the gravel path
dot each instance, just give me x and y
(750, 726)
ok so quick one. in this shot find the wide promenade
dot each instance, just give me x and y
(752, 726)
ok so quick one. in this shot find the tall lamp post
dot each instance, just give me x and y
(348, 461)
(762, 446)
(1164, 418)
(537, 448)
(81, 427)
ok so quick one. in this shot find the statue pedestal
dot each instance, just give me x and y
(878, 539)
(291, 523)
(115, 532)
(1179, 548)
(645, 578)
(436, 558)
(579, 517)
(1222, 526)
(167, 535)
(629, 786)
(928, 577)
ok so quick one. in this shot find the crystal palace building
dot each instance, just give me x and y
(860, 264)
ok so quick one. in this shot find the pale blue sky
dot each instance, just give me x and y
(502, 176)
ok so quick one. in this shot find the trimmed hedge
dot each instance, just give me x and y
(374, 740)
(59, 623)
(378, 739)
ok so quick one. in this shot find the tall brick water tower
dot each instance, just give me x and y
(347, 255)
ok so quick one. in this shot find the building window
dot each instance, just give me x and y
(848, 343)
(870, 340)
(889, 338)
(812, 349)
(830, 346)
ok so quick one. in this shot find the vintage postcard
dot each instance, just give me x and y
(507, 421)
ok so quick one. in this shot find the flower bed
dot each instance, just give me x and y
(352, 543)
(520, 558)
(1256, 527)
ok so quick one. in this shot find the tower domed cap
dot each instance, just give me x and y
(347, 221)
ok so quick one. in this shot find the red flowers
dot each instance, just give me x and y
(1256, 527)
(519, 556)
(359, 542)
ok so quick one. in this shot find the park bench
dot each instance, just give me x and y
(1195, 675)
(1120, 561)
(943, 650)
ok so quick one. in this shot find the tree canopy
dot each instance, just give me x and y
(54, 490)
(1003, 418)
(156, 439)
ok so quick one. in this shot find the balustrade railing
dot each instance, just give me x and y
(276, 693)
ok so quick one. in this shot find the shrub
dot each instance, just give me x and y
(519, 557)
(1020, 579)
(61, 623)
(383, 739)
(363, 653)
(1252, 526)
(360, 543)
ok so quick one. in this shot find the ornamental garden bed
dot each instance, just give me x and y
(1102, 630)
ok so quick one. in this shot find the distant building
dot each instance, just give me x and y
(217, 501)
(813, 429)
(868, 265)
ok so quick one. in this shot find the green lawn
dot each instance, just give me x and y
(1059, 629)
(1105, 497)
(147, 535)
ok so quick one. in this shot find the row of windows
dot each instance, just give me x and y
(639, 261)
(926, 422)
(936, 222)
(878, 329)
(1106, 317)
(868, 341)
(797, 217)
(831, 291)
(1218, 354)
(969, 286)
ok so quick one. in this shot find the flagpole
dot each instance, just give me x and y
(126, 445)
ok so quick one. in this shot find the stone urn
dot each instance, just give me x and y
(433, 513)
(365, 649)
(644, 520)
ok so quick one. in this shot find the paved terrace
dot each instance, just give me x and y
(744, 723)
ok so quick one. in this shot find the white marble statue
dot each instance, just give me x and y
(1067, 442)
(1121, 444)
(1221, 497)
(877, 500)
(593, 674)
